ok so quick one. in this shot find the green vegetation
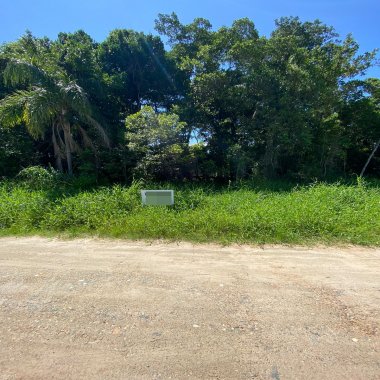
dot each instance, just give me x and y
(210, 105)
(248, 213)
(216, 112)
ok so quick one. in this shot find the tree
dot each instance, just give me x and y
(48, 99)
(18, 149)
(268, 103)
(360, 116)
(137, 71)
(291, 104)
(157, 143)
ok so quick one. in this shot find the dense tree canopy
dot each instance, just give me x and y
(46, 99)
(213, 104)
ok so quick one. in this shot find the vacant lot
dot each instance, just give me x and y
(99, 309)
(250, 214)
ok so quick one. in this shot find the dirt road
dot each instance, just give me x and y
(95, 309)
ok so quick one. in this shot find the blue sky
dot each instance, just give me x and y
(99, 17)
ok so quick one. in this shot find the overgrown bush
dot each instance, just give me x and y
(318, 213)
(39, 178)
(22, 210)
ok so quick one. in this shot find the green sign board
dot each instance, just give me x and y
(157, 197)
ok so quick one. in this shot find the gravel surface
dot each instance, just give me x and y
(109, 309)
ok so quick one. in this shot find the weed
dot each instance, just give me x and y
(318, 213)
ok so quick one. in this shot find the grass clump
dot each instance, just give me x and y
(318, 213)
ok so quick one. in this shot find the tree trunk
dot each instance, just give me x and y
(69, 158)
(58, 163)
(370, 158)
(57, 153)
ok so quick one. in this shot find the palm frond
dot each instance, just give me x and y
(41, 110)
(35, 108)
(92, 122)
(87, 142)
(74, 97)
(20, 72)
(12, 109)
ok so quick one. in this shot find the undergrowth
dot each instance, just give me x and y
(247, 213)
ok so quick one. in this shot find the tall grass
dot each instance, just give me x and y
(318, 213)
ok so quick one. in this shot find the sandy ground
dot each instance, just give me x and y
(96, 309)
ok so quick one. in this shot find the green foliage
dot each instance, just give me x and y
(157, 142)
(287, 105)
(22, 210)
(271, 104)
(17, 151)
(361, 116)
(38, 178)
(136, 70)
(89, 211)
(245, 213)
(46, 99)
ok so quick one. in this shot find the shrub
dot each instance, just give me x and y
(38, 178)
(318, 213)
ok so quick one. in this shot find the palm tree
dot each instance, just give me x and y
(51, 101)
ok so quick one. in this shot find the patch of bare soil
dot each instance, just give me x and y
(102, 309)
